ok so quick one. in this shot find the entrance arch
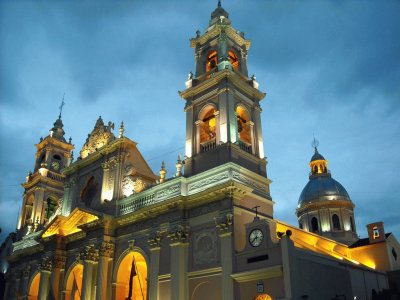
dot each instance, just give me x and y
(263, 297)
(33, 291)
(139, 282)
(73, 287)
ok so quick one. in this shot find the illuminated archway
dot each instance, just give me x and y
(73, 287)
(33, 291)
(208, 124)
(139, 277)
(233, 60)
(212, 60)
(243, 121)
(263, 297)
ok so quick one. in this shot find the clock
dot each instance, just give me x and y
(255, 237)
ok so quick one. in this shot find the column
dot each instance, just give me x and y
(90, 258)
(104, 271)
(258, 133)
(217, 128)
(68, 196)
(224, 230)
(45, 272)
(154, 244)
(25, 280)
(179, 261)
(105, 189)
(7, 285)
(38, 205)
(58, 274)
(17, 277)
(253, 148)
(189, 131)
(197, 141)
(288, 265)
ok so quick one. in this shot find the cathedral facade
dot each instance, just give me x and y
(104, 226)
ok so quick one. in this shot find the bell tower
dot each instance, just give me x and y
(222, 108)
(44, 188)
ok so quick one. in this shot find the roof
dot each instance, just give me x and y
(365, 241)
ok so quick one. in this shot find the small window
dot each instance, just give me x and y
(57, 157)
(375, 232)
(394, 253)
(314, 225)
(233, 60)
(336, 222)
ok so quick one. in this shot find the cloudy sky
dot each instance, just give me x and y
(329, 68)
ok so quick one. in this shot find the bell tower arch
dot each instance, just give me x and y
(223, 122)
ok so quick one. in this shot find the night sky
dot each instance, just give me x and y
(329, 68)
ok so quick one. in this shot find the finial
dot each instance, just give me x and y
(190, 75)
(61, 106)
(198, 33)
(121, 130)
(70, 140)
(163, 172)
(219, 3)
(315, 144)
(179, 165)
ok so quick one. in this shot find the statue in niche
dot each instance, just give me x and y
(89, 192)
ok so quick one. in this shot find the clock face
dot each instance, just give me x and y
(256, 237)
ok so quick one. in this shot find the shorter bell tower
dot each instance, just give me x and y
(44, 188)
(223, 122)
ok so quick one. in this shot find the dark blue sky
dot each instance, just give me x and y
(329, 68)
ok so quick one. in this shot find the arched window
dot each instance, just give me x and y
(90, 191)
(51, 207)
(233, 60)
(33, 290)
(57, 157)
(207, 125)
(336, 222)
(73, 286)
(212, 60)
(314, 225)
(243, 123)
(352, 224)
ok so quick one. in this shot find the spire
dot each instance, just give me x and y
(163, 172)
(219, 15)
(61, 106)
(121, 130)
(179, 165)
(219, 3)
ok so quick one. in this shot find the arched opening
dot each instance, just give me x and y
(212, 60)
(33, 291)
(263, 297)
(207, 128)
(132, 277)
(51, 207)
(336, 222)
(89, 192)
(233, 60)
(74, 283)
(314, 225)
(244, 128)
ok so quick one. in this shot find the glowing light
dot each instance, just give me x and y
(224, 133)
(43, 172)
(188, 148)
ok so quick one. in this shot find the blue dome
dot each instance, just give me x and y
(322, 187)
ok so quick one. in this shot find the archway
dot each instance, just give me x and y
(33, 291)
(211, 60)
(233, 60)
(138, 284)
(263, 297)
(243, 122)
(207, 128)
(73, 288)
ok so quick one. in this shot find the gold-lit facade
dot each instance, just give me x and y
(104, 226)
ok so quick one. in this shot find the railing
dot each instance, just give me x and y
(55, 176)
(207, 146)
(135, 205)
(244, 146)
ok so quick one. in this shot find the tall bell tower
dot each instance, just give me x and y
(222, 103)
(44, 188)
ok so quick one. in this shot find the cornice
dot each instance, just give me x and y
(324, 204)
(52, 141)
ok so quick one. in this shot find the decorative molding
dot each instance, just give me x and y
(179, 236)
(89, 253)
(208, 181)
(155, 241)
(26, 271)
(46, 265)
(251, 183)
(59, 261)
(169, 191)
(106, 249)
(225, 227)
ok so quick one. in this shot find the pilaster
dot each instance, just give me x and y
(154, 244)
(224, 230)
(90, 258)
(106, 254)
(179, 262)
(25, 280)
(45, 271)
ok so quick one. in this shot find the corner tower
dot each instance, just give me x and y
(325, 207)
(222, 103)
(44, 188)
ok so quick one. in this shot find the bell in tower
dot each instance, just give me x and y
(44, 188)
(222, 108)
